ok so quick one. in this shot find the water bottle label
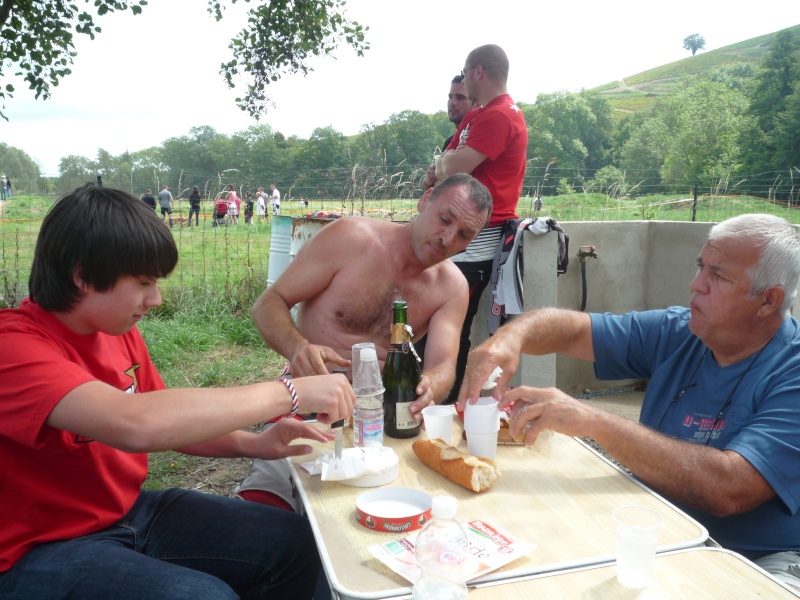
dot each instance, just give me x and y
(367, 432)
(373, 432)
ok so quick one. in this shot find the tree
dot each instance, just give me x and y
(36, 41)
(574, 130)
(694, 42)
(693, 134)
(773, 87)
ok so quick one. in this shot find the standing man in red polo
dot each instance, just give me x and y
(490, 143)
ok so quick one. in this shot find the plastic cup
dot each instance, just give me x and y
(355, 356)
(438, 422)
(482, 444)
(482, 417)
(637, 538)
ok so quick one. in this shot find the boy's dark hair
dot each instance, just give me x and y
(105, 234)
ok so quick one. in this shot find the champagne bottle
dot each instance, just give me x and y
(401, 375)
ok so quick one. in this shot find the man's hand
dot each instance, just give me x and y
(310, 359)
(498, 351)
(274, 442)
(330, 396)
(429, 180)
(538, 409)
(438, 167)
(424, 392)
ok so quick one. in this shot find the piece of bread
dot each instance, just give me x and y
(472, 472)
(520, 439)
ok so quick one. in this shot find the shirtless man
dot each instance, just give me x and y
(344, 280)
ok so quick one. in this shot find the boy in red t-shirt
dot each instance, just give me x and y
(81, 405)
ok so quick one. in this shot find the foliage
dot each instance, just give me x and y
(37, 41)
(694, 42)
(564, 187)
(769, 139)
(298, 29)
(18, 165)
(611, 181)
(573, 130)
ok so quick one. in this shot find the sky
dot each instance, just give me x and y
(154, 76)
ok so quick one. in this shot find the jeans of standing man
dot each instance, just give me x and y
(3, 192)
(196, 211)
(176, 545)
(478, 276)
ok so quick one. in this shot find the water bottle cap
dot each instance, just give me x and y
(368, 354)
(444, 507)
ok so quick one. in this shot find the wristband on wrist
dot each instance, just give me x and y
(293, 393)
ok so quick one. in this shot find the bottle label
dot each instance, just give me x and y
(368, 432)
(403, 418)
(404, 348)
(399, 334)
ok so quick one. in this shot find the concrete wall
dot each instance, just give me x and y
(641, 265)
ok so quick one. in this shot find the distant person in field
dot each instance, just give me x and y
(166, 202)
(194, 206)
(3, 187)
(233, 205)
(261, 205)
(248, 208)
(82, 404)
(149, 199)
(275, 200)
(491, 143)
(8, 187)
(537, 205)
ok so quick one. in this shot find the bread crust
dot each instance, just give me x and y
(471, 472)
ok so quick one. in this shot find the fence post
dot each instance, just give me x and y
(694, 204)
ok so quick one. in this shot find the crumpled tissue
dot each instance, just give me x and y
(355, 464)
(491, 381)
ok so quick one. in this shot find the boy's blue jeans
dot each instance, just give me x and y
(176, 545)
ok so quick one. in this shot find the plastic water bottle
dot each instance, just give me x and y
(368, 410)
(442, 549)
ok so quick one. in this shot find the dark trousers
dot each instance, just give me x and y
(176, 545)
(478, 276)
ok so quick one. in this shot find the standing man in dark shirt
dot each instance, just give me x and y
(149, 199)
(458, 105)
(490, 144)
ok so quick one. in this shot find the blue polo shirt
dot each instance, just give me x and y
(751, 407)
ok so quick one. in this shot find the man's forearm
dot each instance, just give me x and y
(705, 478)
(553, 330)
(442, 378)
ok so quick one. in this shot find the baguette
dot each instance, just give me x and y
(471, 472)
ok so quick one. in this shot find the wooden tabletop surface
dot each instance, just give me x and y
(558, 495)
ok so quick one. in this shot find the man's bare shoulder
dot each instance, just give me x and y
(450, 276)
(347, 237)
(442, 282)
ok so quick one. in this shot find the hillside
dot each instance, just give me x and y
(643, 89)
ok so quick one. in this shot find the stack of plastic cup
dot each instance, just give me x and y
(482, 422)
